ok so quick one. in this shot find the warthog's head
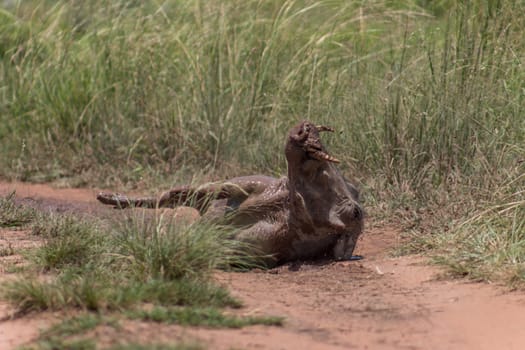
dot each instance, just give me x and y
(304, 144)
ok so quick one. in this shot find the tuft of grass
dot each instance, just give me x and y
(12, 214)
(143, 260)
(65, 335)
(7, 251)
(70, 333)
(489, 245)
(97, 293)
(163, 249)
(77, 325)
(208, 317)
(69, 290)
(68, 241)
(184, 292)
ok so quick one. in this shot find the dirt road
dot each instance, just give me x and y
(379, 302)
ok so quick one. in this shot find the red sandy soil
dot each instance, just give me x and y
(380, 302)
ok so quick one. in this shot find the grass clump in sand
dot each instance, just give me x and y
(119, 268)
(14, 215)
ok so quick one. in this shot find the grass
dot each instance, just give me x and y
(76, 325)
(69, 242)
(118, 105)
(143, 260)
(490, 245)
(13, 215)
(71, 334)
(202, 317)
(59, 336)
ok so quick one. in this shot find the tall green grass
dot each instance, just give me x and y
(426, 96)
(490, 244)
(120, 90)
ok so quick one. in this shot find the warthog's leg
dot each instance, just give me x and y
(196, 197)
(236, 191)
(344, 247)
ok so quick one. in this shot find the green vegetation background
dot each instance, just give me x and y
(426, 96)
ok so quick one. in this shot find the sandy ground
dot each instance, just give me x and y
(380, 302)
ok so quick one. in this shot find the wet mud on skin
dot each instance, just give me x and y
(379, 302)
